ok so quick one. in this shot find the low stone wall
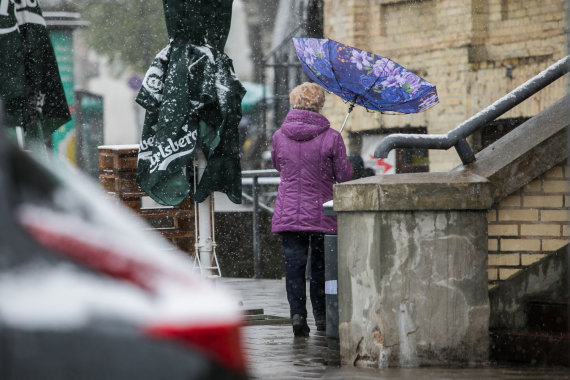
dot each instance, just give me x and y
(412, 270)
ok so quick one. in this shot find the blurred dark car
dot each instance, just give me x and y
(87, 293)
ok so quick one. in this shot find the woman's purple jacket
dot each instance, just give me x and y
(311, 157)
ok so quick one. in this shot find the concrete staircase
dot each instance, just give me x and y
(529, 321)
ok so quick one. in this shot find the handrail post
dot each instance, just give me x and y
(464, 151)
(255, 222)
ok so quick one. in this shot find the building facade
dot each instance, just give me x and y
(474, 51)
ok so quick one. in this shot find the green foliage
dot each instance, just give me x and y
(129, 32)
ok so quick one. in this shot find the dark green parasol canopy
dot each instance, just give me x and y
(193, 99)
(30, 84)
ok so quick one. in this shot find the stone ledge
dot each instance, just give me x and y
(415, 191)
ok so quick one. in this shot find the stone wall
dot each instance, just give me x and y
(461, 46)
(529, 224)
(411, 288)
(412, 266)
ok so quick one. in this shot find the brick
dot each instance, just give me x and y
(493, 274)
(518, 215)
(556, 186)
(505, 273)
(511, 201)
(493, 245)
(549, 245)
(554, 215)
(510, 259)
(533, 187)
(491, 215)
(543, 201)
(528, 258)
(520, 245)
(565, 230)
(540, 230)
(503, 230)
(555, 172)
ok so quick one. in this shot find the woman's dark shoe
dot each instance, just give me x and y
(321, 325)
(300, 327)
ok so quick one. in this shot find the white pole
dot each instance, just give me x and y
(345, 119)
(348, 114)
(20, 137)
(204, 223)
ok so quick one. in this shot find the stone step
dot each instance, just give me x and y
(548, 316)
(534, 348)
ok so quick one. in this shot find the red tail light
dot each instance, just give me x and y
(97, 257)
(221, 342)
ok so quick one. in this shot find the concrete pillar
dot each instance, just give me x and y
(412, 270)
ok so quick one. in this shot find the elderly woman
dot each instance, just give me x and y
(311, 158)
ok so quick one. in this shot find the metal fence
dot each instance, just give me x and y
(257, 177)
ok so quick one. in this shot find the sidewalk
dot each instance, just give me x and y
(274, 353)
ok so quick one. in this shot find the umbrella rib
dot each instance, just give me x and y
(415, 98)
(378, 77)
(323, 84)
(335, 78)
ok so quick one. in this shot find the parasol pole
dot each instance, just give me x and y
(349, 111)
(205, 244)
(20, 137)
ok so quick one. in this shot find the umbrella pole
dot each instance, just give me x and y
(20, 137)
(346, 118)
(204, 245)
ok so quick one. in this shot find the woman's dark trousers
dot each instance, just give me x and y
(296, 248)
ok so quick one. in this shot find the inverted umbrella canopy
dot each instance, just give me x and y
(192, 98)
(365, 79)
(30, 83)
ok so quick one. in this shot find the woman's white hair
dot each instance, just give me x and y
(307, 96)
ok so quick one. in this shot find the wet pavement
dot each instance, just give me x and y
(274, 353)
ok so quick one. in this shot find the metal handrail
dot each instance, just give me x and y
(456, 137)
(255, 174)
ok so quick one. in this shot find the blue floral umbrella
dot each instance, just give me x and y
(368, 80)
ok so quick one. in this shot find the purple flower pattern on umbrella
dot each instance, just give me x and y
(384, 67)
(313, 53)
(374, 82)
(308, 55)
(360, 58)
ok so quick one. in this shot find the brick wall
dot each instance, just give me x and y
(529, 224)
(117, 176)
(461, 46)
